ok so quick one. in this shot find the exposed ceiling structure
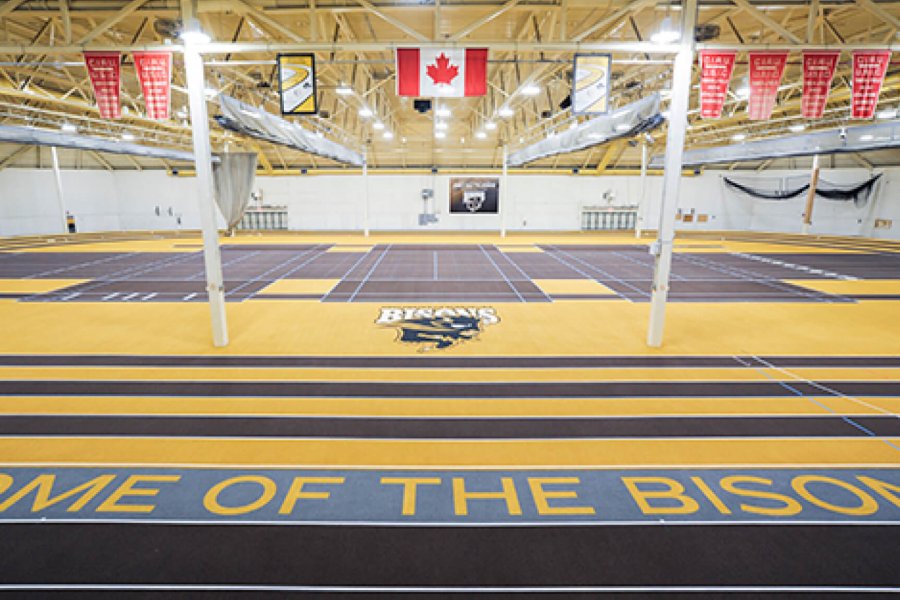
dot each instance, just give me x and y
(43, 81)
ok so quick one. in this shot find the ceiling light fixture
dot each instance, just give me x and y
(797, 128)
(531, 90)
(343, 90)
(442, 112)
(387, 135)
(505, 112)
(739, 137)
(490, 125)
(666, 33)
(378, 125)
(365, 112)
(68, 128)
(440, 126)
(128, 137)
(440, 135)
(480, 135)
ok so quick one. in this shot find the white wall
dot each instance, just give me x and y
(127, 200)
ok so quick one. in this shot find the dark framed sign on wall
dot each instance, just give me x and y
(475, 195)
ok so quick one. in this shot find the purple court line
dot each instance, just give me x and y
(82, 264)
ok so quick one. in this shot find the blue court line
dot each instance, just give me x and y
(502, 274)
(786, 386)
(369, 274)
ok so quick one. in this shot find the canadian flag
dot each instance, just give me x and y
(454, 72)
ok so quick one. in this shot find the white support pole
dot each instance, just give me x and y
(193, 66)
(681, 77)
(504, 193)
(59, 190)
(811, 195)
(642, 199)
(365, 169)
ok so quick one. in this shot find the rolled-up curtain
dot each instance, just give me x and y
(233, 176)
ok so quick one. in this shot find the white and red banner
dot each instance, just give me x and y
(818, 71)
(154, 71)
(448, 72)
(766, 70)
(104, 73)
(716, 67)
(869, 67)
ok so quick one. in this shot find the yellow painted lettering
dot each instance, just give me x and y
(674, 491)
(867, 506)
(791, 507)
(5, 482)
(711, 495)
(461, 496)
(409, 489)
(111, 504)
(541, 496)
(296, 492)
(888, 490)
(42, 486)
(211, 499)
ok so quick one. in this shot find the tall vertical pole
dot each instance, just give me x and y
(365, 169)
(193, 66)
(57, 174)
(642, 199)
(811, 196)
(504, 193)
(665, 237)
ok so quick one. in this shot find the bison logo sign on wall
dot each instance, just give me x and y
(474, 195)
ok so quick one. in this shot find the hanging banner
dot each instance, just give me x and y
(869, 67)
(474, 195)
(154, 71)
(766, 69)
(104, 73)
(442, 72)
(297, 84)
(818, 71)
(716, 67)
(590, 84)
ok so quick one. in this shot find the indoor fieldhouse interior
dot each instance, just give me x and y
(436, 372)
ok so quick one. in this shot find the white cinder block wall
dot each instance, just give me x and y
(128, 200)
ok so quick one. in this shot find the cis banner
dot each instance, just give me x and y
(474, 195)
(297, 84)
(590, 84)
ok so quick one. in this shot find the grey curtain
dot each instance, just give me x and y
(233, 176)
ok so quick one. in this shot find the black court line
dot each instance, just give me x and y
(380, 389)
(656, 555)
(449, 362)
(459, 428)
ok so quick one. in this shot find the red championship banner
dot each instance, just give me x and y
(869, 67)
(715, 74)
(103, 70)
(766, 69)
(818, 71)
(154, 71)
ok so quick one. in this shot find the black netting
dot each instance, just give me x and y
(782, 189)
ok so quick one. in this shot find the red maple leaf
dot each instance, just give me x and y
(442, 71)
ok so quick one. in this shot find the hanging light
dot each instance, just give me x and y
(505, 112)
(666, 33)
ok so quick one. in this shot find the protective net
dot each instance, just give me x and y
(787, 188)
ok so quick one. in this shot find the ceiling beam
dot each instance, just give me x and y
(9, 159)
(767, 21)
(468, 29)
(879, 12)
(618, 15)
(396, 23)
(245, 9)
(105, 25)
(10, 6)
